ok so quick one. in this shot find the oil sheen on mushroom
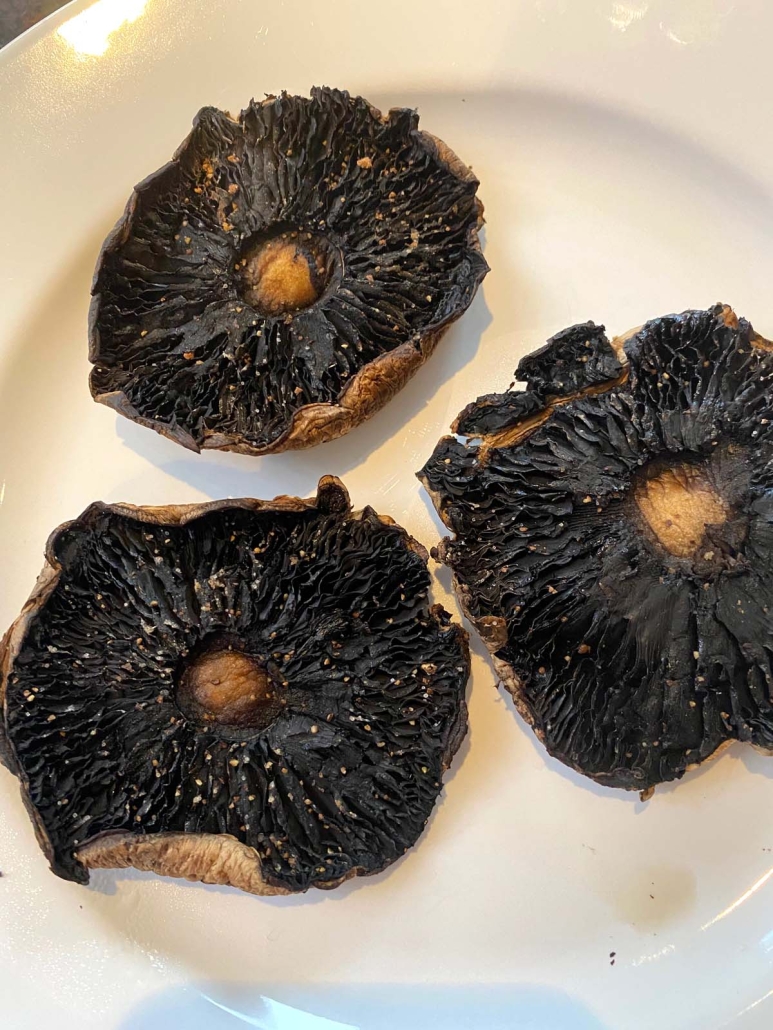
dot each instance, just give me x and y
(613, 542)
(283, 276)
(245, 692)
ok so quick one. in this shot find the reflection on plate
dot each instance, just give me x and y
(624, 172)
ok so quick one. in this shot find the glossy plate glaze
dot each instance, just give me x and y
(626, 168)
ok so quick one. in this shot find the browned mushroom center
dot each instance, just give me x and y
(678, 504)
(286, 272)
(227, 687)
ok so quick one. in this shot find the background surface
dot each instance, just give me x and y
(18, 15)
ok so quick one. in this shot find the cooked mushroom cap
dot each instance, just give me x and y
(244, 692)
(614, 542)
(284, 275)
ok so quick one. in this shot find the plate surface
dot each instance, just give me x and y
(626, 172)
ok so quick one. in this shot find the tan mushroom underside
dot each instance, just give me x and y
(678, 505)
(204, 857)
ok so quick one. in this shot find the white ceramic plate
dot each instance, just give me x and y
(626, 165)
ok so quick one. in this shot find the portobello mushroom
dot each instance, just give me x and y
(284, 275)
(240, 692)
(613, 542)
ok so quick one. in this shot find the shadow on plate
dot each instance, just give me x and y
(757, 762)
(361, 1007)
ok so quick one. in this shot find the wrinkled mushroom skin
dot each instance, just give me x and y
(284, 275)
(614, 546)
(317, 612)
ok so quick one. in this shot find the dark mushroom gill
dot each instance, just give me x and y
(614, 542)
(308, 254)
(270, 672)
